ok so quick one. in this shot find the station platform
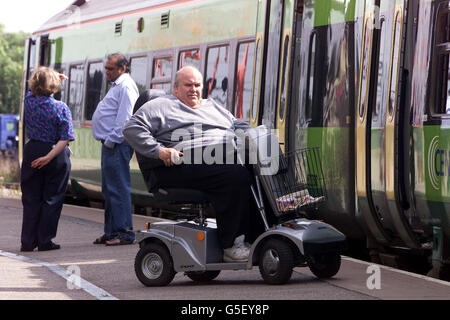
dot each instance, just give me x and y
(107, 273)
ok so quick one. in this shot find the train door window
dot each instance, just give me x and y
(310, 78)
(377, 117)
(284, 78)
(256, 79)
(44, 51)
(244, 77)
(365, 67)
(138, 72)
(216, 80)
(442, 105)
(76, 86)
(395, 63)
(189, 58)
(94, 88)
(274, 34)
(162, 74)
(32, 58)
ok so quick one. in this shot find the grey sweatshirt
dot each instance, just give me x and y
(166, 122)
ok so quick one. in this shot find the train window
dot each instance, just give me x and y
(94, 88)
(310, 78)
(443, 26)
(447, 103)
(244, 76)
(216, 80)
(363, 86)
(442, 105)
(138, 72)
(256, 81)
(284, 78)
(162, 67)
(443, 84)
(395, 64)
(162, 74)
(189, 58)
(447, 91)
(76, 87)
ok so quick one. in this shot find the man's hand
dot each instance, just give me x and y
(169, 156)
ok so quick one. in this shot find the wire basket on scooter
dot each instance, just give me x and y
(298, 183)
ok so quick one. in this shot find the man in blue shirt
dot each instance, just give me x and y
(107, 123)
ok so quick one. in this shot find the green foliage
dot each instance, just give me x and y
(11, 65)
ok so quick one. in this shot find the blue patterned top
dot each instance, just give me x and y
(47, 119)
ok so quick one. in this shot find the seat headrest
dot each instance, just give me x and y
(146, 96)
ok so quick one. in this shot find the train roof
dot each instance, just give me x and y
(89, 10)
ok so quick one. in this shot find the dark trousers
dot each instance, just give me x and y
(43, 192)
(228, 187)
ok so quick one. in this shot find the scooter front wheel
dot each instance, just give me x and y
(153, 265)
(276, 262)
(324, 265)
(203, 276)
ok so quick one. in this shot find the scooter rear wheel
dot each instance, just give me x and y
(153, 265)
(276, 262)
(202, 276)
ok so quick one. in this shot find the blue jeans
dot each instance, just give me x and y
(116, 191)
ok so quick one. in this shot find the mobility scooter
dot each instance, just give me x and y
(293, 184)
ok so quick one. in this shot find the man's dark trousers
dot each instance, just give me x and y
(228, 187)
(43, 192)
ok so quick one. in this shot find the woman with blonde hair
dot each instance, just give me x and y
(46, 163)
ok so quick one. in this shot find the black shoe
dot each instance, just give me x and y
(49, 246)
(26, 249)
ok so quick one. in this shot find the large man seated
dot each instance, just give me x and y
(206, 131)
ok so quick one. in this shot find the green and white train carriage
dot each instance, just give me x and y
(365, 81)
(159, 37)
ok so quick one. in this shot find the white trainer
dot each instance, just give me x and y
(239, 242)
(239, 252)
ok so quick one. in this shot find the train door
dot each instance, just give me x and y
(272, 37)
(276, 44)
(284, 73)
(363, 129)
(380, 135)
(30, 61)
(258, 69)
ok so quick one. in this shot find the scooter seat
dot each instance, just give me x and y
(181, 196)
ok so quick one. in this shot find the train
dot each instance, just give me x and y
(364, 81)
